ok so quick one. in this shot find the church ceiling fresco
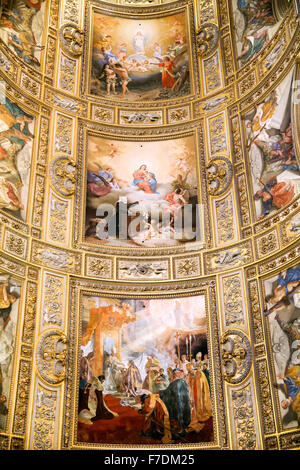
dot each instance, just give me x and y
(17, 127)
(152, 359)
(21, 28)
(255, 24)
(149, 224)
(138, 60)
(283, 319)
(273, 162)
(156, 178)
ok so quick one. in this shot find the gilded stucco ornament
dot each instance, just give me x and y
(236, 356)
(52, 356)
(244, 418)
(219, 175)
(143, 270)
(71, 39)
(63, 175)
(277, 231)
(207, 39)
(139, 1)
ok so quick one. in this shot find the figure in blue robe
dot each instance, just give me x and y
(242, 4)
(140, 177)
(21, 51)
(292, 389)
(292, 275)
(251, 48)
(177, 401)
(152, 182)
(93, 177)
(16, 112)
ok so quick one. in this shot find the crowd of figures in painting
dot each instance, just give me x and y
(255, 24)
(283, 313)
(270, 145)
(144, 376)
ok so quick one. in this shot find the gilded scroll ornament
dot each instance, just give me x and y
(22, 397)
(141, 117)
(44, 420)
(52, 356)
(50, 61)
(266, 397)
(244, 418)
(218, 135)
(15, 244)
(187, 267)
(71, 10)
(289, 441)
(102, 114)
(38, 201)
(6, 64)
(271, 443)
(224, 213)
(143, 270)
(256, 311)
(30, 313)
(63, 134)
(4, 442)
(99, 267)
(30, 85)
(243, 199)
(71, 39)
(219, 175)
(207, 39)
(179, 114)
(12, 266)
(207, 11)
(16, 443)
(233, 300)
(236, 356)
(67, 76)
(63, 176)
(213, 79)
(267, 244)
(53, 300)
(58, 219)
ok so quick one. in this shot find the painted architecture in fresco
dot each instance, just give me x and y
(16, 139)
(21, 28)
(144, 388)
(255, 24)
(9, 295)
(283, 303)
(274, 165)
(157, 179)
(137, 60)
